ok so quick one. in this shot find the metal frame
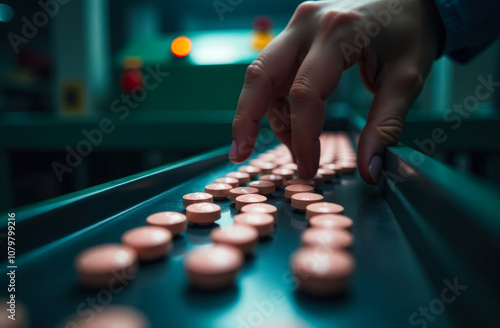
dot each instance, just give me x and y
(452, 220)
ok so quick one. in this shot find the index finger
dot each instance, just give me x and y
(267, 71)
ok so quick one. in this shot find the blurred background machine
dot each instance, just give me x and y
(93, 91)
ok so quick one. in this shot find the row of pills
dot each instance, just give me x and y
(216, 266)
(324, 265)
(251, 201)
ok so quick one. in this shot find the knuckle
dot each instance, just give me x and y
(307, 7)
(255, 71)
(413, 80)
(237, 119)
(301, 90)
(304, 11)
(389, 130)
(334, 20)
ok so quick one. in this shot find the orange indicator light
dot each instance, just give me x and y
(181, 46)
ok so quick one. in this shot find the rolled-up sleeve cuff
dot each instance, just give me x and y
(453, 23)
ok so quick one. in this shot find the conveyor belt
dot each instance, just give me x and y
(390, 284)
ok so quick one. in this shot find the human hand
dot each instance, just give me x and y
(306, 61)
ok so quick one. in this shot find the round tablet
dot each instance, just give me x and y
(111, 317)
(300, 181)
(301, 200)
(265, 167)
(249, 199)
(203, 213)
(172, 221)
(323, 208)
(235, 192)
(318, 179)
(285, 173)
(289, 166)
(264, 187)
(150, 243)
(196, 197)
(261, 208)
(328, 175)
(242, 237)
(267, 157)
(98, 266)
(264, 223)
(322, 272)
(242, 177)
(213, 267)
(348, 167)
(253, 171)
(333, 167)
(230, 181)
(327, 238)
(331, 221)
(218, 190)
(325, 160)
(296, 189)
(283, 160)
(276, 179)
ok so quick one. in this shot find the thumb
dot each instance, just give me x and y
(397, 88)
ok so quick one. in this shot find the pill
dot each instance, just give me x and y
(333, 167)
(296, 189)
(331, 221)
(327, 174)
(323, 208)
(283, 160)
(150, 243)
(97, 266)
(203, 213)
(285, 173)
(218, 190)
(318, 179)
(172, 221)
(265, 167)
(111, 317)
(249, 199)
(196, 197)
(327, 238)
(264, 223)
(348, 167)
(325, 161)
(213, 267)
(256, 161)
(266, 157)
(253, 171)
(299, 181)
(346, 157)
(235, 192)
(289, 166)
(242, 177)
(301, 200)
(276, 179)
(322, 272)
(264, 187)
(261, 208)
(230, 181)
(243, 237)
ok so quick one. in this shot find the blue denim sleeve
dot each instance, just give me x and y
(470, 26)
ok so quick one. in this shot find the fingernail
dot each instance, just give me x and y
(302, 170)
(375, 168)
(233, 153)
